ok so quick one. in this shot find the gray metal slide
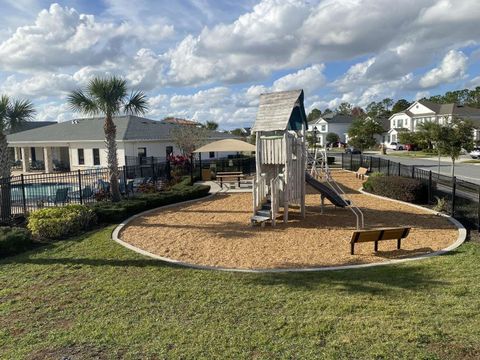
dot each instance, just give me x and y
(326, 191)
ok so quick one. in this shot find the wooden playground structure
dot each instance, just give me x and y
(284, 165)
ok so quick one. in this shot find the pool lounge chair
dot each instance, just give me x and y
(87, 193)
(61, 197)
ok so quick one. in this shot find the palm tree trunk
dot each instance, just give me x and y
(110, 140)
(5, 195)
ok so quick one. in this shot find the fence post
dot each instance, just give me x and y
(23, 195)
(478, 211)
(361, 160)
(370, 162)
(413, 171)
(154, 176)
(125, 179)
(454, 191)
(430, 187)
(342, 160)
(388, 167)
(399, 169)
(351, 162)
(80, 186)
(191, 168)
(379, 163)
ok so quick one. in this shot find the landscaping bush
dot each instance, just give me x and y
(108, 212)
(399, 188)
(60, 222)
(14, 240)
(367, 185)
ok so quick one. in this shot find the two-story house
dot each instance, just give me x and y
(422, 111)
(331, 123)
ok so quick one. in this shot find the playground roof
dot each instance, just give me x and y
(226, 145)
(280, 111)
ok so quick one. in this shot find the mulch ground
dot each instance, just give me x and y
(217, 232)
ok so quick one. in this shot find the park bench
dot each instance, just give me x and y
(361, 172)
(394, 233)
(232, 176)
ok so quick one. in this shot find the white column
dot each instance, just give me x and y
(25, 159)
(47, 158)
(18, 153)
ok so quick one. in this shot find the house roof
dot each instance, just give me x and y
(29, 125)
(448, 109)
(129, 128)
(335, 118)
(226, 145)
(277, 109)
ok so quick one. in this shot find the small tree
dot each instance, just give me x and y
(344, 108)
(314, 115)
(332, 137)
(211, 125)
(361, 133)
(188, 138)
(455, 137)
(406, 136)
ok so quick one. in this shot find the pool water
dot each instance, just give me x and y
(40, 191)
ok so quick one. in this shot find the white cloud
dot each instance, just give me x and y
(309, 79)
(452, 67)
(40, 85)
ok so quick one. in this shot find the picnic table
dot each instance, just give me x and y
(230, 176)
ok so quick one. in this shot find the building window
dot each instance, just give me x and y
(406, 122)
(394, 123)
(96, 156)
(400, 123)
(81, 157)
(142, 152)
(211, 154)
(169, 150)
(323, 128)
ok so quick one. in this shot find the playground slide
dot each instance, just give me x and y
(326, 191)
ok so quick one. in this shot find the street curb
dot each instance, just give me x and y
(462, 233)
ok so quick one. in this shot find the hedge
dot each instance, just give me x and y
(14, 240)
(60, 222)
(110, 213)
(397, 187)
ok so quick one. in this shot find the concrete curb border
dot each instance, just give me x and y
(462, 234)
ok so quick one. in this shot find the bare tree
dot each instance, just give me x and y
(188, 138)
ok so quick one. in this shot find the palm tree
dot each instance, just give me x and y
(12, 113)
(109, 97)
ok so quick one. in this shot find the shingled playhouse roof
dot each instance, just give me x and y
(277, 109)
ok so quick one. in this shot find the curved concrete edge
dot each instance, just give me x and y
(462, 234)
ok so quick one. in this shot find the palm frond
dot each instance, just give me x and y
(4, 105)
(109, 93)
(80, 102)
(137, 103)
(20, 111)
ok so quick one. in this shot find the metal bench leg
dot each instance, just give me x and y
(376, 246)
(399, 242)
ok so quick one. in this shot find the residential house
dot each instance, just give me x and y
(80, 143)
(422, 111)
(331, 123)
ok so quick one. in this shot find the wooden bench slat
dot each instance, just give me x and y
(379, 235)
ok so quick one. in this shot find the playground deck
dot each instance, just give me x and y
(217, 232)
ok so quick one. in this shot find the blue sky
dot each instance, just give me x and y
(210, 60)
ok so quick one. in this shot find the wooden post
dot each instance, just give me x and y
(322, 203)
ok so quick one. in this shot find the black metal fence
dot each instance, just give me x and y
(461, 198)
(22, 194)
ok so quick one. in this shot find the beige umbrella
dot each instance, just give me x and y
(226, 145)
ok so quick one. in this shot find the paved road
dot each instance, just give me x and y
(469, 172)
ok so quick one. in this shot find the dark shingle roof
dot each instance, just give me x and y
(29, 125)
(129, 127)
(334, 118)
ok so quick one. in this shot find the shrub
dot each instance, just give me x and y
(14, 240)
(60, 222)
(367, 185)
(108, 212)
(400, 188)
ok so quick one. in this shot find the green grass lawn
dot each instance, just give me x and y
(91, 298)
(411, 154)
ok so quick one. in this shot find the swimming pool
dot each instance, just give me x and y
(38, 192)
